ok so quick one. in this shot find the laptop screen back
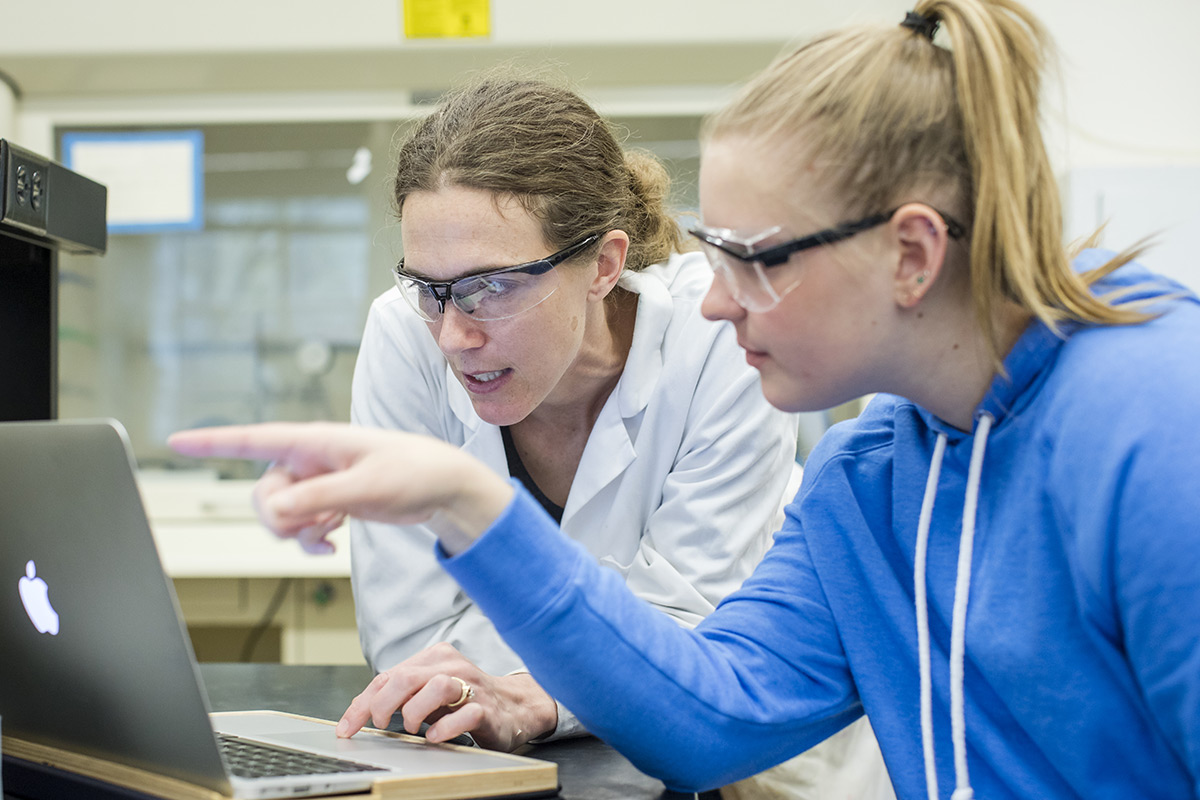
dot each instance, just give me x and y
(93, 656)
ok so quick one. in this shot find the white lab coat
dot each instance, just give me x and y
(679, 487)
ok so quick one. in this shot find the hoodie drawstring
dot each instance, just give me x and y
(935, 467)
(958, 630)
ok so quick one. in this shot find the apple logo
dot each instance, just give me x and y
(35, 596)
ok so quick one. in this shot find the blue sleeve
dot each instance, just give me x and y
(759, 680)
(1158, 596)
(1128, 460)
(1156, 515)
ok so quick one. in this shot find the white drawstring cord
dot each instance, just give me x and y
(935, 468)
(958, 628)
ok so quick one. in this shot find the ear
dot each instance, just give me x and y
(922, 240)
(610, 263)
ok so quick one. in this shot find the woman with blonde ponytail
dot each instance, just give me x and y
(998, 562)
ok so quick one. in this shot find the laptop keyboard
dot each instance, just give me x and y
(249, 759)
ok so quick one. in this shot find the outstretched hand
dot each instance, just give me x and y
(323, 472)
(443, 687)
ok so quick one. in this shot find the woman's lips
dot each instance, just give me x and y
(754, 358)
(486, 382)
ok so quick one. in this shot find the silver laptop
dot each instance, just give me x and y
(94, 658)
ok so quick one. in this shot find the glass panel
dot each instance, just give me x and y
(258, 316)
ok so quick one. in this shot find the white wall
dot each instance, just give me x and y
(1129, 71)
(1126, 130)
(130, 26)
(1133, 203)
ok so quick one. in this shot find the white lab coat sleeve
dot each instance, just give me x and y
(404, 601)
(723, 497)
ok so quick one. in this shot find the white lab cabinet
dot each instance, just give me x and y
(229, 573)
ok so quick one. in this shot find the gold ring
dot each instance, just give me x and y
(468, 691)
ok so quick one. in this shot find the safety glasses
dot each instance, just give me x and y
(742, 264)
(493, 294)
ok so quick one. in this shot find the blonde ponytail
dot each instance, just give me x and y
(999, 52)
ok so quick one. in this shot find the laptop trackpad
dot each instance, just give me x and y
(387, 751)
(363, 745)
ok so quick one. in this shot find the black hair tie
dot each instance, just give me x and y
(926, 26)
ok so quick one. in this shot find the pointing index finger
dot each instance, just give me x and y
(359, 712)
(285, 442)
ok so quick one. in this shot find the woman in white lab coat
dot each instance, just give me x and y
(587, 373)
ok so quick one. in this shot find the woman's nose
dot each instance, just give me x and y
(457, 331)
(718, 303)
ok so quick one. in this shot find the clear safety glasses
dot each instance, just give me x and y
(742, 264)
(490, 295)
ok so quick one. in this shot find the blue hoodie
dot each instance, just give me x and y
(1079, 673)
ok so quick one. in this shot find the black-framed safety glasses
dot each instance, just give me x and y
(742, 264)
(493, 294)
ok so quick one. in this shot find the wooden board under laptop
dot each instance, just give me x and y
(528, 777)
